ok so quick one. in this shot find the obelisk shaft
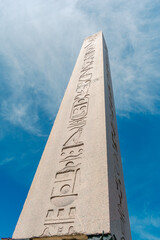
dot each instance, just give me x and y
(78, 187)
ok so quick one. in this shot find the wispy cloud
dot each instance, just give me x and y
(146, 227)
(6, 161)
(40, 41)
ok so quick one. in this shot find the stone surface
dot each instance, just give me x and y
(78, 187)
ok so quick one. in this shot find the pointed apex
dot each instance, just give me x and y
(94, 35)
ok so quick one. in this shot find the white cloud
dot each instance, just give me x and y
(145, 227)
(21, 115)
(6, 161)
(40, 40)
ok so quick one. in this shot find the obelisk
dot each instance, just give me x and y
(78, 188)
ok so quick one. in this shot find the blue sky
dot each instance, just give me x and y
(39, 43)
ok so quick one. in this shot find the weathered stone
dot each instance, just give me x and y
(78, 187)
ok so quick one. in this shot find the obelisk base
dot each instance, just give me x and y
(103, 236)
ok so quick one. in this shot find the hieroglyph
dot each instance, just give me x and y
(61, 214)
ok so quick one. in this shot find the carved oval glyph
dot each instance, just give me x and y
(61, 201)
(65, 188)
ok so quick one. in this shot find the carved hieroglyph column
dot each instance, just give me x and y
(78, 187)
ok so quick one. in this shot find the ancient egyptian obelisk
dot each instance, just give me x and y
(78, 189)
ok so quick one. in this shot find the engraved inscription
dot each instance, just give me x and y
(67, 178)
(50, 213)
(71, 230)
(60, 212)
(60, 229)
(80, 107)
(72, 212)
